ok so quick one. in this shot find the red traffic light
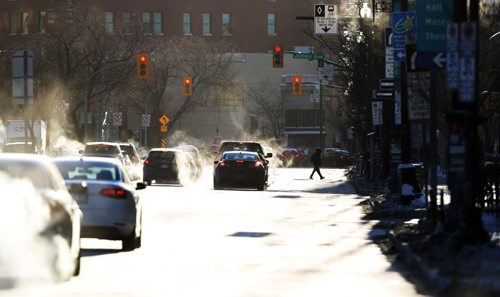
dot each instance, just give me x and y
(142, 66)
(188, 86)
(297, 85)
(278, 56)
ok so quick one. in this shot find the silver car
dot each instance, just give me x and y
(51, 213)
(109, 200)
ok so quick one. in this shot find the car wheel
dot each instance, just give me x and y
(261, 187)
(128, 243)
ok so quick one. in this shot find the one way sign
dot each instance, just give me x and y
(325, 19)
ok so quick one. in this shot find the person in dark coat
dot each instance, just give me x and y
(316, 160)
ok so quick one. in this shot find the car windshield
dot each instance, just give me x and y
(101, 149)
(168, 155)
(241, 146)
(79, 170)
(240, 156)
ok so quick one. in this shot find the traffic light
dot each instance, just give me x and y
(297, 85)
(188, 86)
(143, 66)
(278, 56)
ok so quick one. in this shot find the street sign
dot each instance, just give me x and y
(146, 120)
(404, 23)
(419, 84)
(314, 97)
(326, 72)
(389, 70)
(383, 5)
(163, 129)
(117, 118)
(452, 56)
(431, 60)
(22, 77)
(325, 19)
(383, 94)
(164, 120)
(467, 80)
(163, 142)
(377, 118)
(386, 84)
(397, 108)
(310, 56)
(433, 17)
(388, 37)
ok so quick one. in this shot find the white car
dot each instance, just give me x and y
(42, 218)
(109, 200)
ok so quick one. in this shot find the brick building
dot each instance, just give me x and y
(253, 26)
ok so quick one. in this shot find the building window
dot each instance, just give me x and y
(126, 23)
(109, 22)
(207, 30)
(186, 23)
(226, 24)
(271, 24)
(157, 18)
(12, 23)
(146, 22)
(25, 22)
(42, 21)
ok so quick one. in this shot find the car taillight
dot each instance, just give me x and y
(114, 193)
(258, 164)
(148, 162)
(222, 164)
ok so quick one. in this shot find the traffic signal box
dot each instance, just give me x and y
(143, 66)
(297, 85)
(188, 86)
(278, 56)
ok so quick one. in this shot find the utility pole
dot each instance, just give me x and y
(466, 164)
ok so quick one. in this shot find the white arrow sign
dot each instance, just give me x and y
(325, 19)
(440, 59)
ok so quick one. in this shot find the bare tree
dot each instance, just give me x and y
(270, 101)
(80, 58)
(208, 64)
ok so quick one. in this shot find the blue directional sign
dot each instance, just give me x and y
(403, 23)
(433, 19)
(431, 60)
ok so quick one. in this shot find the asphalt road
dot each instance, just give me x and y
(301, 237)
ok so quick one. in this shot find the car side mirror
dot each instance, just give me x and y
(140, 186)
(216, 162)
(269, 155)
(80, 152)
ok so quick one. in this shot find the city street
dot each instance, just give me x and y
(301, 237)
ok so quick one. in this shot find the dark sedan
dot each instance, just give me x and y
(168, 165)
(243, 169)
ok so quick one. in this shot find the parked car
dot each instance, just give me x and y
(20, 147)
(55, 213)
(240, 168)
(109, 200)
(289, 157)
(335, 157)
(168, 165)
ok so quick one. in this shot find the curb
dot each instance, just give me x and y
(430, 275)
